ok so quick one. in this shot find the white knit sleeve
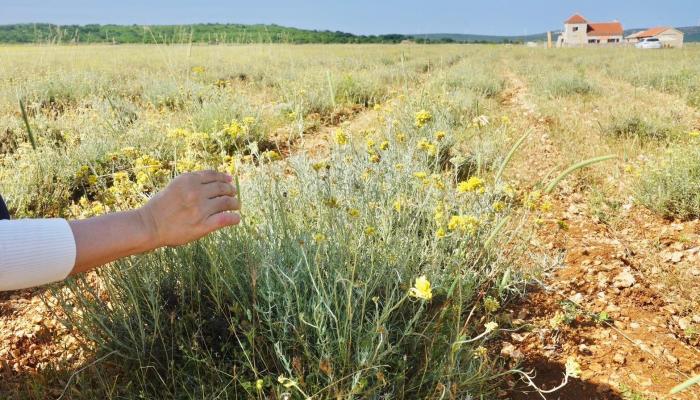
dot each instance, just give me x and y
(35, 252)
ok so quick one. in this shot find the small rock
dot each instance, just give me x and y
(619, 358)
(577, 298)
(670, 357)
(634, 325)
(584, 349)
(508, 350)
(676, 257)
(624, 279)
(683, 323)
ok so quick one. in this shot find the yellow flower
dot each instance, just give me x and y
(465, 223)
(340, 137)
(259, 384)
(440, 233)
(384, 145)
(198, 70)
(317, 166)
(545, 206)
(420, 175)
(491, 304)
(370, 144)
(234, 129)
(319, 237)
(439, 135)
(439, 216)
(286, 382)
(480, 352)
(377, 107)
(499, 206)
(490, 326)
(374, 158)
(426, 146)
(400, 137)
(354, 212)
(422, 117)
(370, 230)
(248, 121)
(472, 184)
(399, 167)
(421, 289)
(505, 120)
(178, 133)
(694, 134)
(272, 155)
(437, 181)
(398, 204)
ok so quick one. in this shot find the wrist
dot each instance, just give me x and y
(147, 231)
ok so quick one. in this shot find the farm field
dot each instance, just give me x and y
(417, 222)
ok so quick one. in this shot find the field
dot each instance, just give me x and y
(417, 221)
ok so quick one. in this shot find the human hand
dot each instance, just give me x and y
(193, 205)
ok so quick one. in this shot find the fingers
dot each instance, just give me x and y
(222, 204)
(222, 220)
(218, 189)
(213, 176)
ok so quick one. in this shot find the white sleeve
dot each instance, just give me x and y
(35, 252)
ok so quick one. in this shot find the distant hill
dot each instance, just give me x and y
(240, 33)
(197, 33)
(469, 38)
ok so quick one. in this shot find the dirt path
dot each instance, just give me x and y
(622, 273)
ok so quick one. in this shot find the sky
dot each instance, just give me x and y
(491, 17)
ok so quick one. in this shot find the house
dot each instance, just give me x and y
(669, 37)
(578, 32)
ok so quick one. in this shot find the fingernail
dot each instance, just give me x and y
(229, 178)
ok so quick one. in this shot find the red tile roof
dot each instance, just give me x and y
(576, 19)
(650, 32)
(605, 29)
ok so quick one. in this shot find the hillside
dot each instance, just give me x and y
(197, 33)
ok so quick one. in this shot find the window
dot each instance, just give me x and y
(593, 40)
(575, 28)
(615, 40)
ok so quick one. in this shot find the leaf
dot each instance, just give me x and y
(685, 385)
(575, 167)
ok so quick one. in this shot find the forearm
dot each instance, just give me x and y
(106, 238)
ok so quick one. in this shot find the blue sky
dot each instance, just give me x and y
(492, 17)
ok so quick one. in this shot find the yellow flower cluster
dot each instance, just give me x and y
(421, 289)
(341, 137)
(426, 146)
(422, 117)
(464, 223)
(237, 128)
(472, 184)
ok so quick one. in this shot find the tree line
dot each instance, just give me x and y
(198, 33)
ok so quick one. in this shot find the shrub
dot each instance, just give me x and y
(672, 186)
(638, 127)
(570, 86)
(311, 294)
